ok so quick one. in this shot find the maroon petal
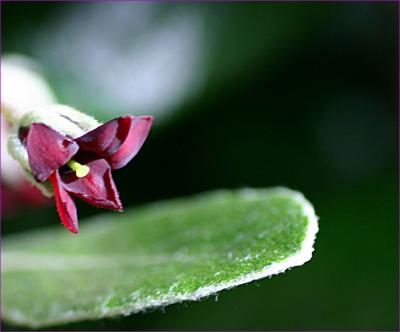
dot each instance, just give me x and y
(118, 140)
(65, 205)
(96, 188)
(48, 150)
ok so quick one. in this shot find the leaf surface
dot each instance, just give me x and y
(155, 255)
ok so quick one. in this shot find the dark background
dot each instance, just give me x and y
(302, 95)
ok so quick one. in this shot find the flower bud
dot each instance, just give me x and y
(23, 89)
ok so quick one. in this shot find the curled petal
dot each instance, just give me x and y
(65, 205)
(118, 140)
(96, 188)
(47, 150)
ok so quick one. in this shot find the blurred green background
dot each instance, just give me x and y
(302, 95)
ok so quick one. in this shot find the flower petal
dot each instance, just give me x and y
(65, 205)
(96, 188)
(118, 140)
(48, 150)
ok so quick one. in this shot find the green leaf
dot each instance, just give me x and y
(156, 255)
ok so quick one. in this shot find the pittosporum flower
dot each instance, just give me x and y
(75, 155)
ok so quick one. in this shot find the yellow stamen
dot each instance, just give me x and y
(80, 170)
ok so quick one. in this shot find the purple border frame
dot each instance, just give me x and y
(267, 1)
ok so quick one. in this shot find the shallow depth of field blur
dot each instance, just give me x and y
(244, 95)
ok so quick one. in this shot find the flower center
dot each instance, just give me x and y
(79, 169)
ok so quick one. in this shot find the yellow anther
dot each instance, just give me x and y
(80, 170)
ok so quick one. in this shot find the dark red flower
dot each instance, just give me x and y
(82, 167)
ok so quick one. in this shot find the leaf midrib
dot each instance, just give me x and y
(22, 261)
